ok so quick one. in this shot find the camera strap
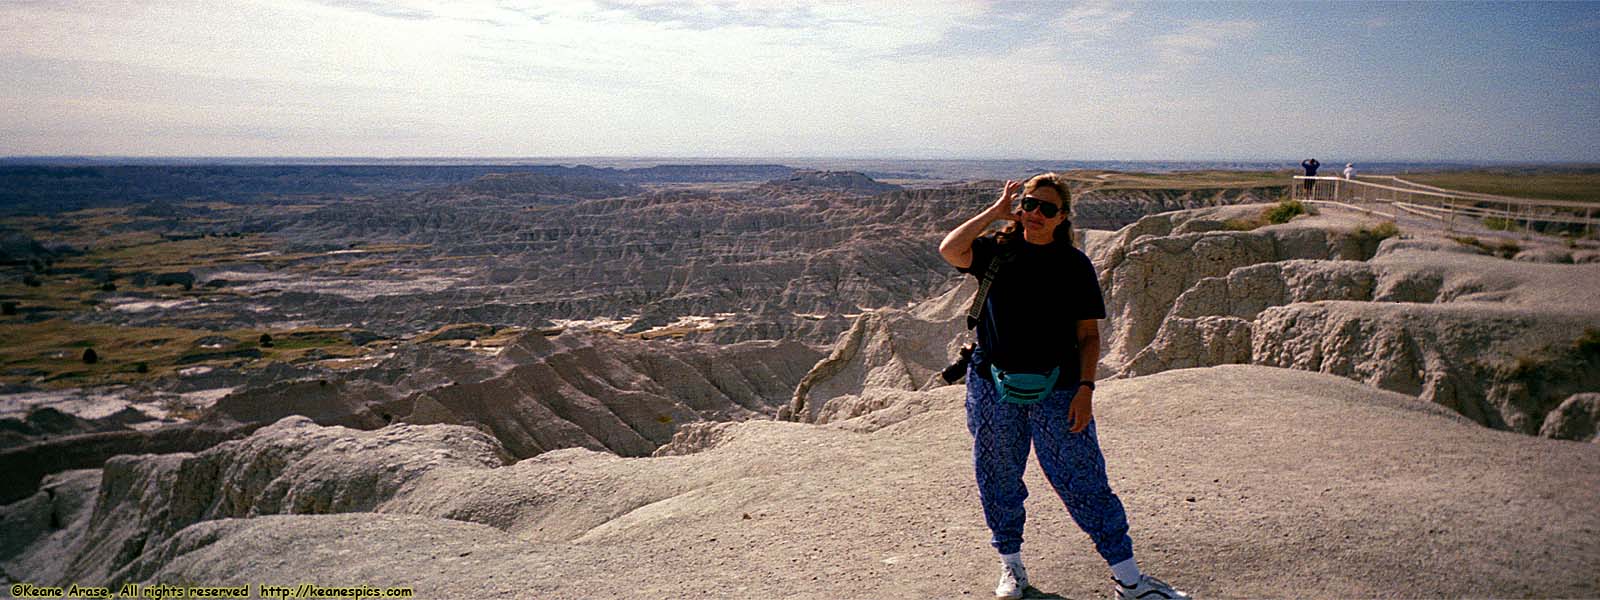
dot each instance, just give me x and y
(976, 310)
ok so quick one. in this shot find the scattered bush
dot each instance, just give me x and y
(90, 356)
(1242, 224)
(1381, 231)
(1283, 211)
(265, 340)
(1524, 366)
(1500, 224)
(1589, 342)
(8, 308)
(31, 281)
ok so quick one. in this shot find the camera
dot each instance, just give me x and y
(958, 369)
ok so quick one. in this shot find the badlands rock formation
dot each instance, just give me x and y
(1240, 481)
(812, 181)
(540, 393)
(1112, 209)
(885, 350)
(1504, 343)
(760, 268)
(578, 389)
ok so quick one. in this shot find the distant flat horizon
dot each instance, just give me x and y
(621, 161)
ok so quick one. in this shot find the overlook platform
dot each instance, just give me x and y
(1396, 198)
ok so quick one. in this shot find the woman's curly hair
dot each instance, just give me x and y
(1012, 232)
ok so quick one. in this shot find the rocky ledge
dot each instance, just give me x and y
(1229, 473)
(1510, 344)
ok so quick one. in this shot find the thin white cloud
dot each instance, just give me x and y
(665, 77)
(1093, 18)
(575, 78)
(1200, 40)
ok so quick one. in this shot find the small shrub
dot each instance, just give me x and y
(8, 308)
(1381, 231)
(1499, 224)
(1588, 343)
(1242, 224)
(90, 356)
(1386, 229)
(1283, 211)
(1466, 240)
(31, 281)
(265, 340)
(1507, 249)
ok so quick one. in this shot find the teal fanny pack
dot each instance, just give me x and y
(1023, 388)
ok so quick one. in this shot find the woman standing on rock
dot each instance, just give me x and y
(1031, 379)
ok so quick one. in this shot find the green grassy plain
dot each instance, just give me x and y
(1095, 179)
(49, 354)
(44, 342)
(1574, 185)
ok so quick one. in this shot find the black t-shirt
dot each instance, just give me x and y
(1311, 167)
(1030, 320)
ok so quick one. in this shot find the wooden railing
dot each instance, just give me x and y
(1454, 208)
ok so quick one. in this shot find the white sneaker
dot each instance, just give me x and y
(1148, 588)
(1013, 581)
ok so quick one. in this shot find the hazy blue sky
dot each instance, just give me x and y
(1408, 81)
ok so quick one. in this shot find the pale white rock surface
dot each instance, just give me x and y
(1544, 254)
(1431, 316)
(887, 349)
(1577, 418)
(1228, 475)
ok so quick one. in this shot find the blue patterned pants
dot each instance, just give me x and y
(1001, 433)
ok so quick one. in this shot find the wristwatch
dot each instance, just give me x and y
(1086, 383)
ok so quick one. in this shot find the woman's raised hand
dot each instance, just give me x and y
(1003, 208)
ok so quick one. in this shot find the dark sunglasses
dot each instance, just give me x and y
(1046, 209)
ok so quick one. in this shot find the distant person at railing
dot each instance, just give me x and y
(1310, 165)
(1349, 170)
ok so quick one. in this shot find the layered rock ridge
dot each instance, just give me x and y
(1504, 343)
(539, 393)
(586, 389)
(1112, 209)
(1501, 342)
(766, 268)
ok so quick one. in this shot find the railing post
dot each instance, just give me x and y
(1527, 222)
(1450, 224)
